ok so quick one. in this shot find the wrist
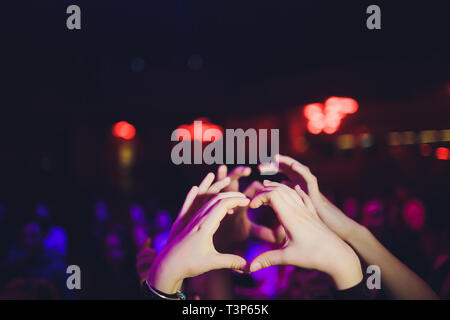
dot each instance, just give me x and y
(163, 276)
(345, 269)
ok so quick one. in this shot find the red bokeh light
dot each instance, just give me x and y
(442, 153)
(314, 127)
(328, 117)
(124, 130)
(313, 111)
(205, 126)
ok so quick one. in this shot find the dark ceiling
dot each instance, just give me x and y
(257, 55)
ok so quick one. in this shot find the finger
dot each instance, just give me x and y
(269, 183)
(240, 172)
(300, 169)
(219, 186)
(285, 160)
(145, 262)
(307, 200)
(206, 183)
(146, 253)
(190, 197)
(261, 198)
(254, 187)
(284, 165)
(268, 168)
(263, 233)
(310, 179)
(146, 244)
(223, 195)
(274, 198)
(267, 259)
(222, 172)
(229, 261)
(214, 216)
(288, 192)
(280, 234)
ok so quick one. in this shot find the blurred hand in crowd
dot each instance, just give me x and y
(144, 259)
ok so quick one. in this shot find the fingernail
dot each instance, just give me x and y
(255, 267)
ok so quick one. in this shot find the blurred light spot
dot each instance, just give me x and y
(428, 136)
(313, 111)
(314, 127)
(138, 65)
(346, 141)
(137, 214)
(42, 211)
(203, 125)
(195, 62)
(366, 140)
(442, 153)
(56, 241)
(300, 144)
(124, 130)
(101, 212)
(160, 240)
(425, 150)
(163, 220)
(445, 135)
(328, 117)
(126, 155)
(414, 214)
(409, 137)
(394, 138)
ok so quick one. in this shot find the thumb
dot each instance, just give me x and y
(230, 261)
(267, 259)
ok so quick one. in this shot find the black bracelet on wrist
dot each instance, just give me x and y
(159, 295)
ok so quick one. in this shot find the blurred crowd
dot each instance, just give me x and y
(35, 257)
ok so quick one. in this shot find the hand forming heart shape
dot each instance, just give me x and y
(190, 250)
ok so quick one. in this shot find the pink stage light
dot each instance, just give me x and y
(328, 117)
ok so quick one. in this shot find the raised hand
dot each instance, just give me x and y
(238, 227)
(195, 199)
(333, 217)
(144, 259)
(309, 243)
(192, 252)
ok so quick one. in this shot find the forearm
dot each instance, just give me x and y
(398, 280)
